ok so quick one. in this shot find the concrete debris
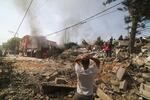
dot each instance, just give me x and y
(102, 95)
(145, 91)
(146, 76)
(114, 82)
(147, 61)
(138, 61)
(140, 80)
(123, 85)
(120, 73)
(60, 81)
(119, 78)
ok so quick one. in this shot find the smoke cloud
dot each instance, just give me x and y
(33, 23)
(48, 16)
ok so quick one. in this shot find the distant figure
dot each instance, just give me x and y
(1, 53)
(106, 49)
(121, 37)
(110, 46)
(141, 40)
(5, 53)
(86, 71)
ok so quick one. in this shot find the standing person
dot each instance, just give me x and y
(106, 48)
(110, 46)
(86, 71)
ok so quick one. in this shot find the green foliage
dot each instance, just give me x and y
(139, 13)
(139, 9)
(12, 44)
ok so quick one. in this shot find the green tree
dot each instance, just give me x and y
(138, 14)
(12, 44)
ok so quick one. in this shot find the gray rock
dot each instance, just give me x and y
(146, 75)
(60, 81)
(120, 73)
(123, 85)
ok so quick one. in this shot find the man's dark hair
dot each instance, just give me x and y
(85, 62)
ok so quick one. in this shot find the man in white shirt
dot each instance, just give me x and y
(86, 71)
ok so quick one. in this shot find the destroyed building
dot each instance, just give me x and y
(35, 46)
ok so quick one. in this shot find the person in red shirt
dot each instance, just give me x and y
(106, 48)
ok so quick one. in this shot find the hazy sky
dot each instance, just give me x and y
(48, 16)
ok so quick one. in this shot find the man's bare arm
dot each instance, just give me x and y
(96, 61)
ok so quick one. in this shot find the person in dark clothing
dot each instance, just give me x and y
(121, 37)
(110, 46)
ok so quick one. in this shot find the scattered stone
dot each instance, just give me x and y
(46, 98)
(145, 91)
(138, 61)
(115, 88)
(144, 50)
(123, 85)
(60, 81)
(114, 82)
(120, 73)
(115, 69)
(146, 75)
(102, 95)
(103, 86)
(70, 96)
(147, 61)
(140, 80)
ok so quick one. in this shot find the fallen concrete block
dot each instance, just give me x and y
(123, 85)
(102, 95)
(1, 71)
(120, 73)
(114, 82)
(147, 61)
(138, 61)
(144, 49)
(146, 75)
(115, 88)
(145, 91)
(140, 80)
(60, 81)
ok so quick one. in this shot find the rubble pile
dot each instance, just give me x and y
(71, 54)
(5, 72)
(30, 76)
(126, 79)
(119, 78)
(13, 85)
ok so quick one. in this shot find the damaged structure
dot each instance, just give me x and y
(120, 77)
(35, 46)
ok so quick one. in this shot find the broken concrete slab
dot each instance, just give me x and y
(120, 73)
(60, 81)
(102, 95)
(123, 85)
(115, 89)
(1, 71)
(138, 61)
(147, 61)
(146, 75)
(144, 49)
(140, 80)
(145, 91)
(114, 82)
